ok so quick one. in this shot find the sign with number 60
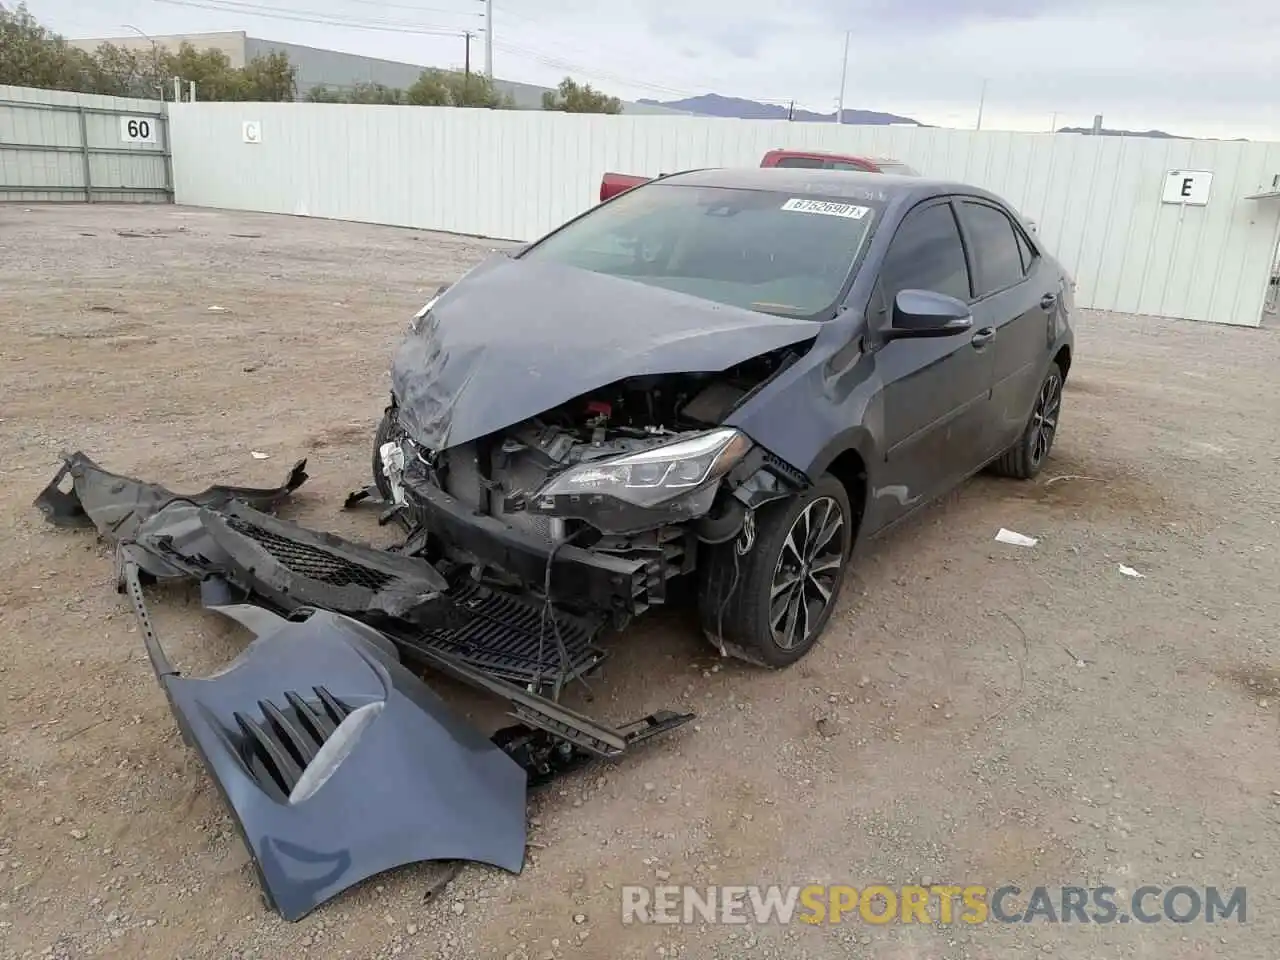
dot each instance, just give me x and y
(137, 130)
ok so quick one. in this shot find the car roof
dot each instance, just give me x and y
(835, 183)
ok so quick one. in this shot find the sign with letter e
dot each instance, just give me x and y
(1189, 187)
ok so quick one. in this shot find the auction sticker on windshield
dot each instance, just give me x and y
(828, 207)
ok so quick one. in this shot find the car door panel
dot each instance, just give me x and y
(936, 390)
(1012, 281)
(1020, 357)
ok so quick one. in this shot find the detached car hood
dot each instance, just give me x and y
(514, 339)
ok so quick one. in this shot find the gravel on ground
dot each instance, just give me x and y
(978, 713)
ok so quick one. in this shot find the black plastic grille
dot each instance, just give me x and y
(500, 634)
(279, 747)
(312, 562)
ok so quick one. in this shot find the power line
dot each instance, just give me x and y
(396, 26)
(384, 25)
(311, 16)
(416, 9)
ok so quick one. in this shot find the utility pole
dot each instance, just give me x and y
(1053, 124)
(844, 71)
(982, 100)
(488, 38)
(466, 72)
(791, 111)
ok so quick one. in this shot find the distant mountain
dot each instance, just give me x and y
(714, 105)
(1155, 134)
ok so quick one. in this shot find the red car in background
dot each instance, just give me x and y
(615, 183)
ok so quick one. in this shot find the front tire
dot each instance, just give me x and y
(1024, 459)
(388, 429)
(770, 605)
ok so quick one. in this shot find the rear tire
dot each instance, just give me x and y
(770, 606)
(1025, 458)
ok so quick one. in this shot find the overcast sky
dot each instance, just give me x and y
(1196, 67)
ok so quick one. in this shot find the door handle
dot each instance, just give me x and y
(1048, 300)
(983, 337)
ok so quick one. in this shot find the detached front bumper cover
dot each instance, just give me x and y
(336, 762)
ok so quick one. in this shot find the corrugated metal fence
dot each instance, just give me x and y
(1098, 201)
(81, 147)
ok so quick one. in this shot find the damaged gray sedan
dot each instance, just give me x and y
(726, 378)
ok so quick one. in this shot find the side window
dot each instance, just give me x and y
(809, 163)
(1028, 254)
(847, 165)
(926, 254)
(996, 254)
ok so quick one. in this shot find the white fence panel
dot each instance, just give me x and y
(61, 146)
(516, 174)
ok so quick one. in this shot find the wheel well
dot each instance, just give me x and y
(1063, 360)
(851, 471)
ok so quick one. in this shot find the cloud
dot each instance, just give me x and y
(930, 15)
(1199, 66)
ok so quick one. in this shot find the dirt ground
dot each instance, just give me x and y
(977, 714)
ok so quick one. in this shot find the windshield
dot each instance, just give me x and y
(767, 251)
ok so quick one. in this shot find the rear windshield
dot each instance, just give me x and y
(802, 163)
(781, 253)
(897, 167)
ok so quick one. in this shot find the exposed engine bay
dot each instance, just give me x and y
(595, 472)
(663, 403)
(637, 414)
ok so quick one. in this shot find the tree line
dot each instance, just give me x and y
(33, 56)
(453, 88)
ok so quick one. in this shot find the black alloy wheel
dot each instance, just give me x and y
(767, 595)
(1024, 459)
(807, 573)
(1044, 420)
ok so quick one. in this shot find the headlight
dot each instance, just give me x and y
(655, 475)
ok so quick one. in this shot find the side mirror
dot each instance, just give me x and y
(923, 313)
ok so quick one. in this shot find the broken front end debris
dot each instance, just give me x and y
(335, 759)
(581, 458)
(599, 503)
